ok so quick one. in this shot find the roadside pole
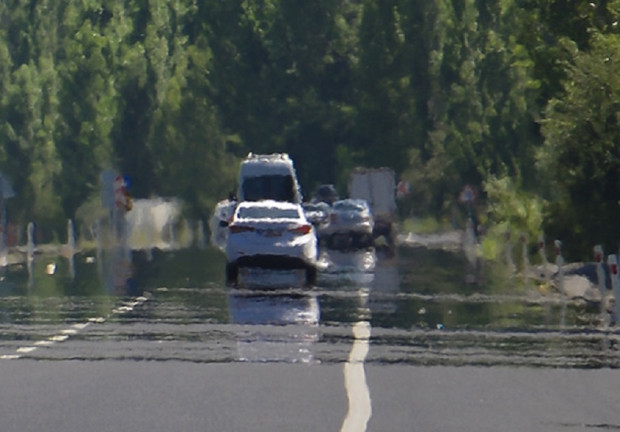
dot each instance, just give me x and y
(612, 262)
(6, 192)
(117, 273)
(600, 276)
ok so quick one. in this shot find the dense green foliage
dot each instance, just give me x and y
(172, 93)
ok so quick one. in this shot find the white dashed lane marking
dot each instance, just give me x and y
(74, 329)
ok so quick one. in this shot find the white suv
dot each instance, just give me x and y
(268, 176)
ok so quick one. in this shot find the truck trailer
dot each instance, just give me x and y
(377, 186)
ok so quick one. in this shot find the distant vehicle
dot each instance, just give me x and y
(268, 176)
(378, 187)
(261, 176)
(326, 193)
(317, 214)
(273, 235)
(218, 225)
(350, 225)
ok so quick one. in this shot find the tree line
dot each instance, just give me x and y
(517, 97)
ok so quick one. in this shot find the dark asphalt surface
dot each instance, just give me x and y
(182, 396)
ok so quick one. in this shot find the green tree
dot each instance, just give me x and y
(544, 24)
(189, 147)
(482, 101)
(282, 78)
(392, 81)
(581, 155)
(90, 103)
(31, 111)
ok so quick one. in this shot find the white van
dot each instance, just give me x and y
(268, 176)
(261, 176)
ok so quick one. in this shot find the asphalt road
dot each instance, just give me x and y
(181, 396)
(193, 357)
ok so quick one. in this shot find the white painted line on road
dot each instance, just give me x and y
(129, 306)
(81, 326)
(44, 343)
(121, 310)
(65, 334)
(59, 338)
(358, 394)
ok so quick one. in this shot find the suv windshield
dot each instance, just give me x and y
(274, 187)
